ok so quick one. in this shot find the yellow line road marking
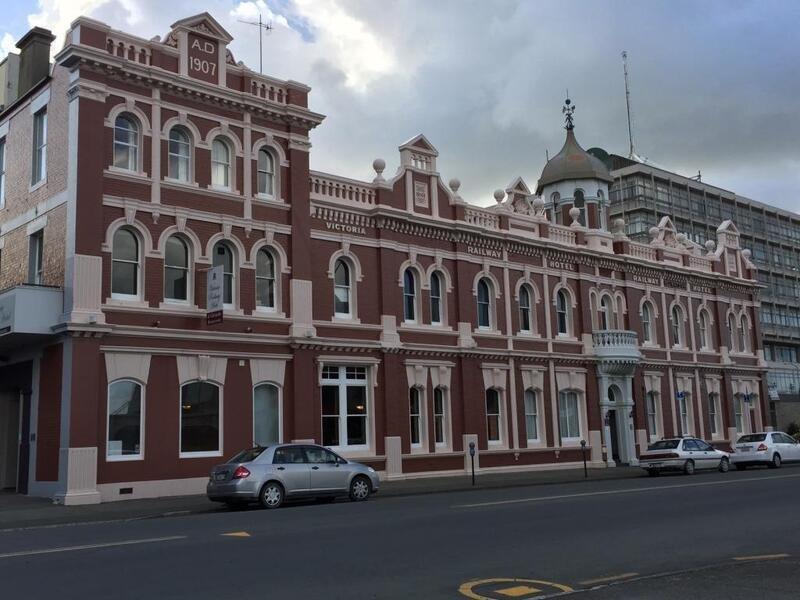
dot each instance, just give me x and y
(522, 587)
(518, 591)
(649, 488)
(92, 546)
(608, 579)
(761, 557)
(239, 534)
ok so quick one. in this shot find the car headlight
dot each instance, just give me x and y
(370, 469)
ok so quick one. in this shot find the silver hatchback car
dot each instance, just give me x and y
(272, 474)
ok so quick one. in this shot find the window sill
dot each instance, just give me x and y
(537, 443)
(571, 442)
(199, 454)
(35, 186)
(563, 337)
(411, 326)
(233, 312)
(179, 183)
(223, 190)
(267, 314)
(127, 174)
(127, 302)
(528, 335)
(124, 458)
(345, 320)
(180, 307)
(487, 331)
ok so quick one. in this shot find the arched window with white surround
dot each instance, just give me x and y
(703, 331)
(494, 417)
(677, 326)
(265, 280)
(125, 424)
(201, 419)
(223, 255)
(562, 313)
(525, 317)
(744, 342)
(580, 203)
(126, 143)
(125, 265)
(416, 413)
(220, 163)
(606, 313)
(732, 332)
(266, 173)
(484, 292)
(531, 416)
(647, 323)
(267, 429)
(342, 289)
(409, 296)
(176, 269)
(179, 154)
(441, 428)
(437, 317)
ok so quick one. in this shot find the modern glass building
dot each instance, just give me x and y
(641, 194)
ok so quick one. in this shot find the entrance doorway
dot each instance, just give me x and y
(10, 418)
(612, 424)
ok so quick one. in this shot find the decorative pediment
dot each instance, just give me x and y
(518, 186)
(728, 226)
(205, 24)
(420, 144)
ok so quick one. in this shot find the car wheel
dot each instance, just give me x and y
(776, 461)
(724, 465)
(688, 467)
(359, 489)
(652, 472)
(741, 467)
(271, 495)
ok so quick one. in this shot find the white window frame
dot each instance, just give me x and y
(563, 395)
(676, 318)
(501, 430)
(744, 338)
(653, 409)
(685, 414)
(647, 323)
(605, 313)
(220, 420)
(133, 150)
(343, 383)
(36, 257)
(280, 408)
(732, 330)
(39, 154)
(225, 165)
(126, 457)
(3, 148)
(233, 274)
(269, 175)
(562, 294)
(702, 328)
(536, 414)
(437, 300)
(139, 263)
(489, 303)
(714, 416)
(189, 271)
(524, 289)
(443, 416)
(188, 158)
(275, 281)
(412, 295)
(349, 287)
(421, 445)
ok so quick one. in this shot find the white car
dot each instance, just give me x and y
(766, 448)
(682, 454)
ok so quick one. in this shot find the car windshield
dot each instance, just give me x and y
(664, 445)
(753, 437)
(248, 455)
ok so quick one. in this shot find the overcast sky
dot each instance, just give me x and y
(714, 84)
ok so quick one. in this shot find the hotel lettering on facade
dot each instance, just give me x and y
(389, 320)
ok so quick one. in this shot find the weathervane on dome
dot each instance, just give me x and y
(568, 109)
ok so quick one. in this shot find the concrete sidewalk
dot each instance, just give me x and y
(18, 512)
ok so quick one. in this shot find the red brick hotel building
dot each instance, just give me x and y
(387, 319)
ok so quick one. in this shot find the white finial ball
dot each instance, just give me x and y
(653, 232)
(499, 195)
(746, 253)
(681, 237)
(574, 213)
(454, 184)
(379, 165)
(710, 245)
(538, 204)
(619, 225)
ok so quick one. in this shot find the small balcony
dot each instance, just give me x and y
(28, 313)
(616, 345)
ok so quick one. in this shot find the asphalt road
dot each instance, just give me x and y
(711, 535)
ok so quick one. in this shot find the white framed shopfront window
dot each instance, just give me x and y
(346, 402)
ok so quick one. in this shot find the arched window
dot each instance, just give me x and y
(732, 332)
(342, 289)
(531, 416)
(440, 412)
(266, 173)
(409, 296)
(416, 415)
(126, 143)
(524, 309)
(580, 204)
(677, 326)
(494, 423)
(125, 264)
(223, 255)
(562, 313)
(265, 280)
(555, 198)
(266, 415)
(702, 329)
(179, 154)
(436, 299)
(647, 322)
(125, 425)
(220, 163)
(652, 414)
(484, 304)
(176, 269)
(201, 434)
(744, 345)
(606, 313)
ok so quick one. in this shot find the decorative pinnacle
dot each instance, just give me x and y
(568, 109)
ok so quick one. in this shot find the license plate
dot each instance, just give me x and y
(220, 476)
(744, 448)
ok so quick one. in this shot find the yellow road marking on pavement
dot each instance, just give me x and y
(761, 557)
(92, 546)
(240, 534)
(523, 587)
(518, 591)
(608, 579)
(649, 488)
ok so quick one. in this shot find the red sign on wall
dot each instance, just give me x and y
(203, 58)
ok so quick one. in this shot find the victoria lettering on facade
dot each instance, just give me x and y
(446, 326)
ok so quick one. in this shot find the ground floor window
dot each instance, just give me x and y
(493, 413)
(713, 413)
(439, 417)
(266, 415)
(683, 409)
(124, 420)
(344, 407)
(415, 412)
(652, 414)
(200, 419)
(739, 413)
(568, 416)
(531, 416)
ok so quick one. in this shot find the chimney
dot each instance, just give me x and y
(34, 58)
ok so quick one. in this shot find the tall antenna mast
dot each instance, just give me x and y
(262, 26)
(631, 152)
